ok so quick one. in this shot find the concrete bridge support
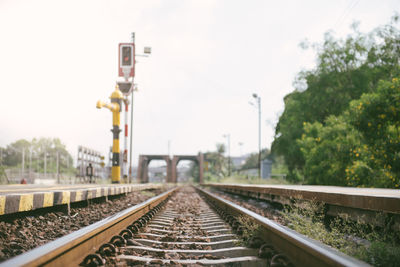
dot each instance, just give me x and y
(172, 173)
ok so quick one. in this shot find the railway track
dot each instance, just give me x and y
(184, 226)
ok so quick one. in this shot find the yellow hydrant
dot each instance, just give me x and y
(115, 107)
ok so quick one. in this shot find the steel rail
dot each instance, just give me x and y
(302, 251)
(370, 199)
(70, 250)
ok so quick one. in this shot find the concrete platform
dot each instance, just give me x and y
(18, 198)
(373, 199)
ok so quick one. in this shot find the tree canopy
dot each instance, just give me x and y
(36, 151)
(341, 109)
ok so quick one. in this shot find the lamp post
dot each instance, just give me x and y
(258, 100)
(228, 137)
(241, 148)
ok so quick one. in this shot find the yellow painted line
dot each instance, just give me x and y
(89, 194)
(48, 199)
(2, 204)
(37, 189)
(41, 189)
(26, 202)
(78, 195)
(66, 197)
(98, 192)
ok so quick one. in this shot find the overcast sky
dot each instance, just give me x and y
(57, 58)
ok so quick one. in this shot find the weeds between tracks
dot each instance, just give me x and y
(379, 246)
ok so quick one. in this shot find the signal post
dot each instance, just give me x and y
(126, 69)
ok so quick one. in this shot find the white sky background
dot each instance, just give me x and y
(57, 58)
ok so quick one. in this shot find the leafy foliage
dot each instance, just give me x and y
(378, 246)
(36, 150)
(340, 109)
(216, 162)
(252, 161)
(359, 148)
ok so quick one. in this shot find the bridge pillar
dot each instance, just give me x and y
(200, 161)
(174, 171)
(168, 160)
(142, 172)
(172, 163)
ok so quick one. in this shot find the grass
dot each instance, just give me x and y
(148, 193)
(377, 246)
(251, 230)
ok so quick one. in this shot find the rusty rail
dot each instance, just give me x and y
(301, 250)
(71, 249)
(368, 199)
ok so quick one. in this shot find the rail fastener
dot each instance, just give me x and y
(70, 250)
(300, 250)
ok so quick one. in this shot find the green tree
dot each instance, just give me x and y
(360, 147)
(36, 149)
(377, 117)
(216, 161)
(345, 70)
(327, 150)
(252, 161)
(14, 151)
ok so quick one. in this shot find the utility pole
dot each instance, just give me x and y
(258, 99)
(45, 163)
(241, 148)
(30, 162)
(23, 162)
(58, 167)
(228, 137)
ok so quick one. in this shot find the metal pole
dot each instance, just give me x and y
(130, 143)
(58, 167)
(30, 163)
(259, 137)
(23, 162)
(125, 159)
(229, 155)
(228, 139)
(45, 163)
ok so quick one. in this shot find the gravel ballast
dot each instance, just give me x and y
(22, 232)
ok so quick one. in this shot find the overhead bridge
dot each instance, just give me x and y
(172, 163)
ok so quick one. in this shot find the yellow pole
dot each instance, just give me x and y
(115, 107)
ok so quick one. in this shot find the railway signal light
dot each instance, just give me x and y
(126, 56)
(126, 60)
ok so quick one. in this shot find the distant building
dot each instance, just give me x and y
(266, 168)
(237, 162)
